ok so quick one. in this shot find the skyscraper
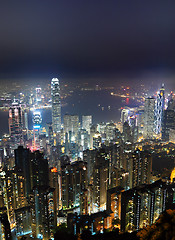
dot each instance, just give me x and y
(56, 105)
(149, 118)
(87, 122)
(159, 108)
(71, 126)
(16, 124)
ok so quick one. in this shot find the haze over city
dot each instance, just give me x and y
(87, 120)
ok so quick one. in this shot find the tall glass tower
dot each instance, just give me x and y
(56, 105)
(159, 109)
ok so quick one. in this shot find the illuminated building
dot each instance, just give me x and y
(37, 120)
(140, 118)
(71, 126)
(142, 205)
(5, 231)
(16, 124)
(38, 95)
(140, 168)
(74, 187)
(168, 121)
(54, 183)
(159, 109)
(86, 123)
(25, 126)
(89, 157)
(23, 221)
(100, 181)
(42, 212)
(124, 115)
(127, 137)
(50, 135)
(56, 105)
(83, 140)
(93, 131)
(14, 193)
(22, 163)
(110, 132)
(114, 205)
(172, 135)
(149, 118)
(96, 141)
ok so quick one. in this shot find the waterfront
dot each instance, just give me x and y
(100, 104)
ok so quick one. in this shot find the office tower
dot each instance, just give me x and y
(71, 126)
(140, 118)
(127, 137)
(50, 134)
(83, 140)
(56, 105)
(97, 141)
(86, 123)
(25, 126)
(168, 121)
(159, 109)
(149, 118)
(124, 115)
(38, 95)
(140, 168)
(15, 124)
(37, 120)
(110, 132)
(93, 131)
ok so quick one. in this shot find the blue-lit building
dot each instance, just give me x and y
(37, 120)
(159, 109)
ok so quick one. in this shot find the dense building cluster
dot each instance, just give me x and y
(96, 176)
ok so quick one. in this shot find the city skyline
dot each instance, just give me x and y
(87, 120)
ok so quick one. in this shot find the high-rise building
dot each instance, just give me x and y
(149, 118)
(124, 115)
(16, 124)
(110, 132)
(37, 120)
(38, 95)
(142, 205)
(74, 186)
(86, 123)
(140, 168)
(168, 120)
(159, 109)
(71, 126)
(100, 180)
(127, 137)
(56, 105)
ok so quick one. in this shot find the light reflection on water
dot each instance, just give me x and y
(100, 104)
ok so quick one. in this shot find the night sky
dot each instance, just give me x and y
(84, 39)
